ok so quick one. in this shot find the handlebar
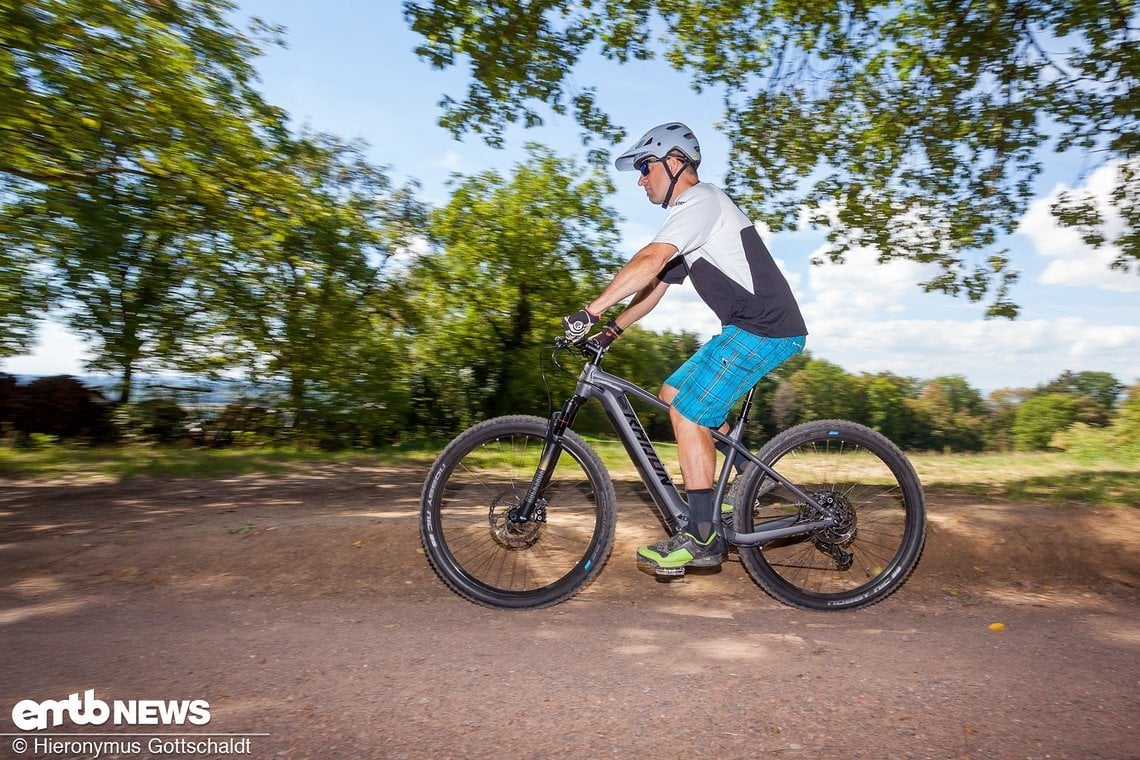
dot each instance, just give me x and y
(590, 349)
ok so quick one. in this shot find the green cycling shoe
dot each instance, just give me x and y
(681, 551)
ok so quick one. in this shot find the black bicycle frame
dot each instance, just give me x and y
(614, 395)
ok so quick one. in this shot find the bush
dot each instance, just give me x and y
(156, 419)
(62, 406)
(9, 402)
(1040, 417)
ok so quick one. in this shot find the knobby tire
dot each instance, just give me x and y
(873, 487)
(478, 478)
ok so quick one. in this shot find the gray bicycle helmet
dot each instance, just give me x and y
(658, 142)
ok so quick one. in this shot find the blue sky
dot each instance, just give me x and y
(349, 69)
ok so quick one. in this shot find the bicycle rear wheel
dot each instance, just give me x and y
(484, 473)
(874, 490)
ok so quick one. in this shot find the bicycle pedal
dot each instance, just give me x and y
(669, 572)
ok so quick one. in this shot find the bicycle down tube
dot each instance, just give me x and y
(613, 393)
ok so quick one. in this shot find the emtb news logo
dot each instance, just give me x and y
(30, 715)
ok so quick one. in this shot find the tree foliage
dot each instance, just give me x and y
(23, 296)
(952, 414)
(913, 126)
(315, 305)
(1101, 389)
(133, 144)
(509, 257)
(121, 252)
(645, 358)
(1040, 417)
(1126, 425)
(160, 89)
(822, 390)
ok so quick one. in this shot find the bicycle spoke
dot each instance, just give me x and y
(879, 518)
(488, 557)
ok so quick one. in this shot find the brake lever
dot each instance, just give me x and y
(589, 348)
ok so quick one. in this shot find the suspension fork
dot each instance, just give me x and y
(533, 507)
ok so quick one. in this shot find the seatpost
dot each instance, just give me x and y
(735, 434)
(744, 410)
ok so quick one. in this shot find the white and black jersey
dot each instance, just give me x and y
(732, 270)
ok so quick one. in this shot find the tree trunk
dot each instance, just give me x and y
(126, 385)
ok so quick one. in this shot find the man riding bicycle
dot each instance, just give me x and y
(706, 237)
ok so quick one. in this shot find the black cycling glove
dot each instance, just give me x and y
(578, 324)
(608, 334)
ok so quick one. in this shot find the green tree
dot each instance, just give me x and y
(822, 390)
(1002, 406)
(132, 141)
(123, 257)
(23, 296)
(508, 258)
(952, 415)
(914, 126)
(645, 358)
(782, 404)
(886, 409)
(320, 310)
(1126, 424)
(122, 87)
(1040, 417)
(1101, 388)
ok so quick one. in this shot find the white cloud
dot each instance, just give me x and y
(682, 309)
(1074, 263)
(861, 284)
(451, 161)
(992, 354)
(857, 315)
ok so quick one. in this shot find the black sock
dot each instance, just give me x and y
(702, 513)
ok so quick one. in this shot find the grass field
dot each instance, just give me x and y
(1055, 477)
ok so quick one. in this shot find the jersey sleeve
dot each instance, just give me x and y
(690, 222)
(674, 272)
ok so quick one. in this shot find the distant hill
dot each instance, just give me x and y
(183, 388)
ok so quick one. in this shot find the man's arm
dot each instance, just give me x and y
(642, 303)
(636, 277)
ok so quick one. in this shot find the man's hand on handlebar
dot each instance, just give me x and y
(578, 324)
(608, 334)
(595, 344)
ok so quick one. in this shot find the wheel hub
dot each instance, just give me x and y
(507, 533)
(833, 540)
(843, 531)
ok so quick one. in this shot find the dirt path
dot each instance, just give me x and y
(302, 610)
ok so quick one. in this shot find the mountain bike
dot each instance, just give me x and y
(519, 511)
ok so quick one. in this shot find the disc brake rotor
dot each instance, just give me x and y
(510, 535)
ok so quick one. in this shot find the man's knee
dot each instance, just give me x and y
(667, 394)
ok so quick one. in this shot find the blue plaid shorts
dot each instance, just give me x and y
(722, 370)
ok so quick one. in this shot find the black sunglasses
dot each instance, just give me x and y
(643, 167)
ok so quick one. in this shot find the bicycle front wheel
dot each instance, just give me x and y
(874, 491)
(484, 473)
